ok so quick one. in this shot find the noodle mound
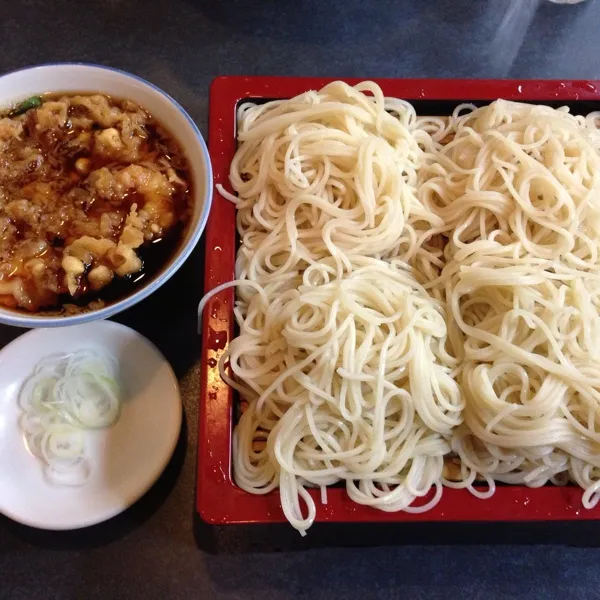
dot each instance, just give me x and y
(518, 188)
(349, 380)
(326, 174)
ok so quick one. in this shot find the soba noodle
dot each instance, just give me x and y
(411, 288)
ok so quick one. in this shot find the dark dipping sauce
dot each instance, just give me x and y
(95, 200)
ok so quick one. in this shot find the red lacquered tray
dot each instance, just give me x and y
(219, 501)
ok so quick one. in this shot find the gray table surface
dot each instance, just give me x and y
(180, 45)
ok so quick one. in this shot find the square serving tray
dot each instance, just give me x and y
(218, 500)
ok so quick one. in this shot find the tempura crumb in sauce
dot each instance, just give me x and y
(88, 186)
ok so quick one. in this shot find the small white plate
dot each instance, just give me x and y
(126, 459)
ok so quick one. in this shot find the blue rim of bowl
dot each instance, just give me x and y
(104, 313)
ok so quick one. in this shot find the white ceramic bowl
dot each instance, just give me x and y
(67, 77)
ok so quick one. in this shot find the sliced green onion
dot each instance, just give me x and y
(66, 395)
(26, 105)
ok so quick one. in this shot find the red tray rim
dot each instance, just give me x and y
(218, 500)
